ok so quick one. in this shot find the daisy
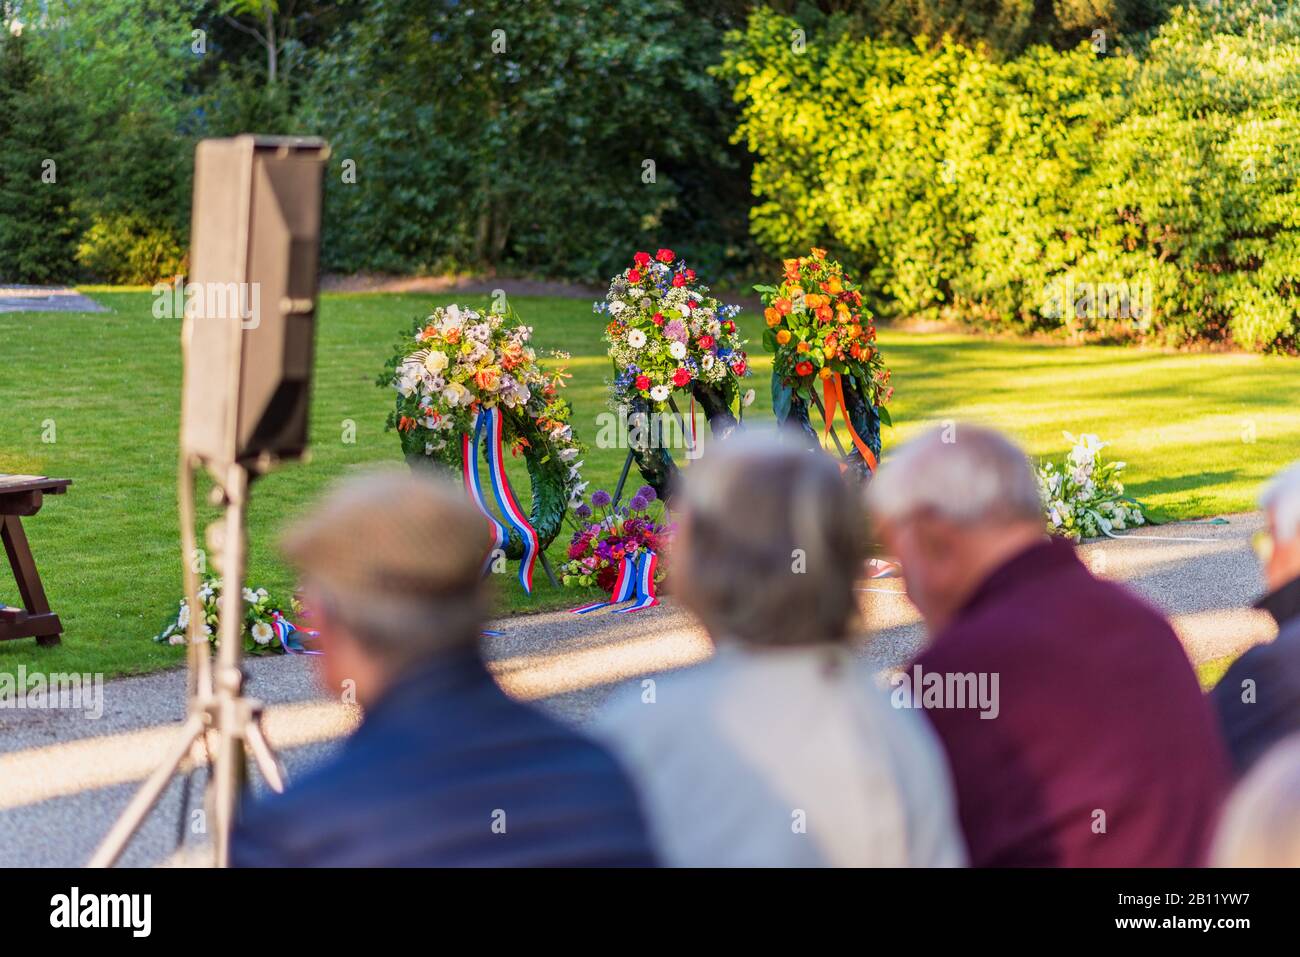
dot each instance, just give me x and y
(263, 633)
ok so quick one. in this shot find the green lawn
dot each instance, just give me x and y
(1200, 432)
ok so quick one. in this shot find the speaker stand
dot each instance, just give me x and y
(217, 702)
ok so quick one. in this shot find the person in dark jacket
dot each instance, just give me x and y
(1258, 698)
(1072, 720)
(445, 769)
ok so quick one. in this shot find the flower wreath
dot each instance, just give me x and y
(819, 331)
(666, 334)
(466, 379)
(266, 628)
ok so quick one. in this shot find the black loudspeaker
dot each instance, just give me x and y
(250, 299)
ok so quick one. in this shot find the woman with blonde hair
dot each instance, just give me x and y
(781, 750)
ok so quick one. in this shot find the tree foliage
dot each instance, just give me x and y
(1102, 193)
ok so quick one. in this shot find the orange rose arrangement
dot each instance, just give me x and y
(817, 328)
(819, 332)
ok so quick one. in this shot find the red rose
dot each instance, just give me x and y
(665, 256)
(633, 276)
(739, 367)
(641, 259)
(705, 342)
(691, 303)
(681, 377)
(657, 318)
(643, 382)
(679, 280)
(803, 368)
(690, 275)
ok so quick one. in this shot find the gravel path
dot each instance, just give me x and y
(64, 778)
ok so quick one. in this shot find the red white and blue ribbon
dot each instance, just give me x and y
(506, 499)
(474, 485)
(488, 428)
(645, 583)
(285, 630)
(636, 579)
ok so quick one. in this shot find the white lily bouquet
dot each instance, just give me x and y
(265, 619)
(1084, 497)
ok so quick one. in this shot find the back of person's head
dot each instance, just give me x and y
(965, 473)
(396, 559)
(1281, 500)
(952, 506)
(772, 540)
(1260, 826)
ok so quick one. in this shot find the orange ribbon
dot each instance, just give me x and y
(833, 389)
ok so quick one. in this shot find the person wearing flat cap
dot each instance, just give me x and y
(445, 768)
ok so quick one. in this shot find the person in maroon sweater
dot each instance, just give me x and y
(1073, 722)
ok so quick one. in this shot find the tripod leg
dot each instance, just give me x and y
(262, 754)
(114, 843)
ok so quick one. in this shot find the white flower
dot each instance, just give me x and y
(177, 639)
(250, 596)
(262, 633)
(660, 392)
(436, 361)
(183, 619)
(706, 363)
(677, 350)
(749, 398)
(568, 455)
(617, 307)
(636, 338)
(451, 318)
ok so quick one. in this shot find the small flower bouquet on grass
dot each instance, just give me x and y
(606, 534)
(262, 612)
(1084, 497)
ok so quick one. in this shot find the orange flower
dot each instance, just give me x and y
(796, 291)
(512, 356)
(854, 331)
(772, 316)
(783, 306)
(824, 313)
(818, 253)
(833, 286)
(487, 379)
(783, 336)
(406, 424)
(429, 332)
(855, 351)
(826, 372)
(802, 347)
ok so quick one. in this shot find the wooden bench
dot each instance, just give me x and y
(22, 495)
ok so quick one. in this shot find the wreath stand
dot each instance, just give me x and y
(631, 452)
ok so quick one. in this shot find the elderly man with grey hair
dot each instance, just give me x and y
(1258, 699)
(1101, 750)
